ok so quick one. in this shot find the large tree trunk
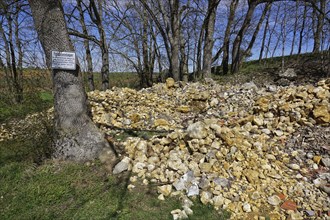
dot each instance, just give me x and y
(90, 75)
(76, 137)
(209, 30)
(236, 53)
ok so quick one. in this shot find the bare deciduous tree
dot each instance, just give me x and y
(12, 40)
(89, 60)
(95, 11)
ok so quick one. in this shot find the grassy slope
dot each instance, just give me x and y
(309, 66)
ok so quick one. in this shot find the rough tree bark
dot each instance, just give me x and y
(76, 137)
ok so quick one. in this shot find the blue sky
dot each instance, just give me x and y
(33, 52)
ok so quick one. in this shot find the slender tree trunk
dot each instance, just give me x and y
(276, 45)
(198, 73)
(76, 137)
(18, 81)
(184, 58)
(175, 39)
(6, 45)
(294, 29)
(319, 26)
(225, 60)
(7, 66)
(152, 59)
(105, 58)
(272, 32)
(264, 37)
(185, 74)
(283, 35)
(139, 66)
(170, 33)
(236, 53)
(145, 54)
(15, 74)
(90, 75)
(302, 29)
(209, 31)
(256, 31)
(97, 19)
(105, 66)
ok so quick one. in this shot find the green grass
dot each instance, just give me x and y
(33, 102)
(37, 95)
(67, 190)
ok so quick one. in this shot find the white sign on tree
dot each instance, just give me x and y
(63, 60)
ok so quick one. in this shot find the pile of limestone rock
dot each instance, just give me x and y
(226, 145)
(230, 146)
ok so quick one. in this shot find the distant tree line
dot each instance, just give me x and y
(181, 36)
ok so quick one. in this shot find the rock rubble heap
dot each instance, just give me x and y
(240, 148)
(228, 145)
